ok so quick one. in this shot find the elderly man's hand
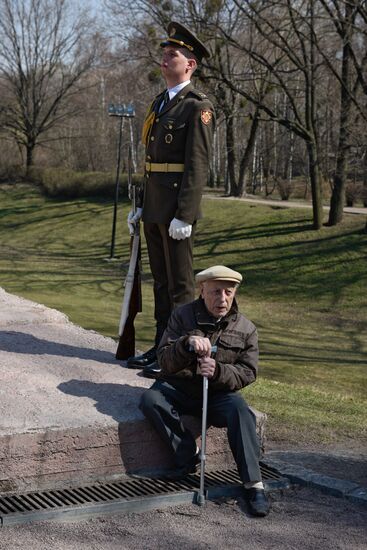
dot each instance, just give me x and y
(207, 366)
(200, 345)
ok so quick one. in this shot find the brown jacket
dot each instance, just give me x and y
(182, 133)
(236, 357)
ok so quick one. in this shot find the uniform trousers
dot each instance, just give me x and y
(171, 264)
(163, 404)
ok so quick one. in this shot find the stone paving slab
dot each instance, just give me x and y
(57, 375)
(330, 485)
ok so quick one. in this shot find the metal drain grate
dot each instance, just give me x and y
(129, 494)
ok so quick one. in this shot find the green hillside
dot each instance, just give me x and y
(304, 289)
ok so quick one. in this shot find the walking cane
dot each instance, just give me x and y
(201, 495)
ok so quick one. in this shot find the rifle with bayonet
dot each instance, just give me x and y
(132, 302)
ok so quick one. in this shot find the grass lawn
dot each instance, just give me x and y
(304, 289)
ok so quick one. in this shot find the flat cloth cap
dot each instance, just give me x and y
(179, 35)
(218, 273)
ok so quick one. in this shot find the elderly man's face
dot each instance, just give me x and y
(218, 296)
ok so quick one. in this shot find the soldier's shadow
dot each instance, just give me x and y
(140, 448)
(21, 342)
(119, 401)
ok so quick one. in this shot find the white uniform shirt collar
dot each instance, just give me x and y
(174, 91)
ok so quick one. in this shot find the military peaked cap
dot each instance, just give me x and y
(181, 36)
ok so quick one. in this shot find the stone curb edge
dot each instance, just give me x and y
(330, 485)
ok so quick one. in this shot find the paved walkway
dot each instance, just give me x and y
(283, 204)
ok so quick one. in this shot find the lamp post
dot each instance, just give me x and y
(121, 111)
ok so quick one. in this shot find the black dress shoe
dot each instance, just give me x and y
(152, 370)
(143, 360)
(181, 473)
(257, 502)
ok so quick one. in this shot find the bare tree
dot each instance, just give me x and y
(241, 118)
(46, 47)
(285, 47)
(263, 49)
(347, 18)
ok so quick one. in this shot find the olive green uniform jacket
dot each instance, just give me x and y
(182, 133)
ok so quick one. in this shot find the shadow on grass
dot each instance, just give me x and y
(331, 245)
(20, 342)
(323, 267)
(292, 357)
(49, 213)
(213, 240)
(340, 346)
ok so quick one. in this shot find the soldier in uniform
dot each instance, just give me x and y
(178, 134)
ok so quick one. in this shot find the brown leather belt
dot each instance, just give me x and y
(164, 167)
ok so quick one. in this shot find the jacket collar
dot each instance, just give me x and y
(178, 97)
(205, 320)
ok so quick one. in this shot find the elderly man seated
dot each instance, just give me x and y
(184, 355)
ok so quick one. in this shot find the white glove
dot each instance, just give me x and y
(133, 219)
(179, 230)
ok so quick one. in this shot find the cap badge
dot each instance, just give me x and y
(172, 31)
(206, 116)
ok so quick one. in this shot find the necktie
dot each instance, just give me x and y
(165, 100)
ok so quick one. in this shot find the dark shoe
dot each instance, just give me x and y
(152, 370)
(143, 360)
(181, 473)
(257, 502)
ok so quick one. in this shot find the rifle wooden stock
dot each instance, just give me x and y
(132, 302)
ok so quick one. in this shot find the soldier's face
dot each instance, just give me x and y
(218, 296)
(175, 66)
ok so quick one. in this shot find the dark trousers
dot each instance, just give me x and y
(163, 404)
(171, 264)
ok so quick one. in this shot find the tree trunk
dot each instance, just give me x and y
(338, 194)
(231, 157)
(245, 161)
(315, 180)
(29, 157)
(339, 180)
(312, 127)
(365, 179)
